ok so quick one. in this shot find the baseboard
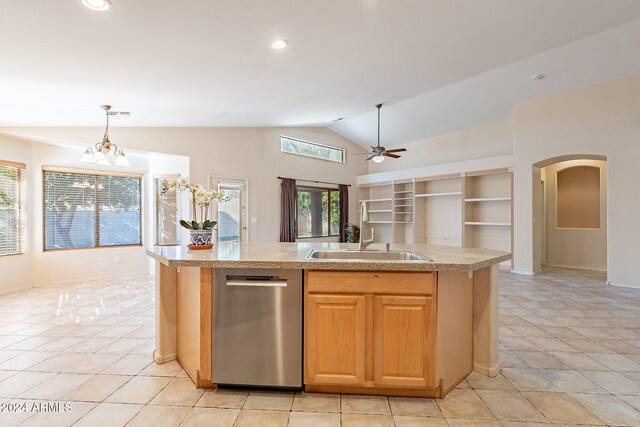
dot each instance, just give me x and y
(84, 279)
(573, 267)
(12, 290)
(523, 273)
(622, 285)
(160, 359)
(490, 372)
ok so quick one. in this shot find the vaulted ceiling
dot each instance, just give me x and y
(440, 65)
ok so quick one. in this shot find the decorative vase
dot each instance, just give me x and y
(200, 239)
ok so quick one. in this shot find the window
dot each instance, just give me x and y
(167, 228)
(12, 215)
(578, 197)
(90, 209)
(312, 149)
(318, 212)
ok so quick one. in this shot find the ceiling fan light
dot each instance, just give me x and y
(121, 159)
(279, 44)
(378, 159)
(97, 5)
(87, 157)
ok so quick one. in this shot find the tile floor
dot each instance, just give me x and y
(570, 348)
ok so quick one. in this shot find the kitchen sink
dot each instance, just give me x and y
(348, 254)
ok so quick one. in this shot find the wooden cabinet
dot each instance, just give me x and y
(404, 332)
(370, 330)
(335, 336)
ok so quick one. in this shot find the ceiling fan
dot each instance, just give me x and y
(378, 152)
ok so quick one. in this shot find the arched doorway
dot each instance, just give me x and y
(570, 212)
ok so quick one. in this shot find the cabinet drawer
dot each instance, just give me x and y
(374, 282)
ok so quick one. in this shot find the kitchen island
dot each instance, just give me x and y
(371, 326)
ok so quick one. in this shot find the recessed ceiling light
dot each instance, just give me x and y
(98, 5)
(538, 77)
(279, 44)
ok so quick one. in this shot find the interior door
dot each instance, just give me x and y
(232, 215)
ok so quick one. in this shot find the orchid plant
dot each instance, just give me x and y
(201, 200)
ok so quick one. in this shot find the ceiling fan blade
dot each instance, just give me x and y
(393, 156)
(371, 157)
(396, 150)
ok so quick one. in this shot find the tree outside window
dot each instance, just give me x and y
(318, 212)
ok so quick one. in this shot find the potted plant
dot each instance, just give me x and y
(352, 233)
(200, 227)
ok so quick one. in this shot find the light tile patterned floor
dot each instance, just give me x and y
(570, 348)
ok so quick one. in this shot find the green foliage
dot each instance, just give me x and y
(8, 178)
(208, 225)
(194, 225)
(308, 202)
(352, 233)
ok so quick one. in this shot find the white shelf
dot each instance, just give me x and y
(489, 199)
(377, 200)
(401, 192)
(379, 210)
(403, 198)
(379, 222)
(404, 222)
(499, 224)
(403, 206)
(455, 193)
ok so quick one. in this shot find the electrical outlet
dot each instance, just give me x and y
(116, 260)
(254, 220)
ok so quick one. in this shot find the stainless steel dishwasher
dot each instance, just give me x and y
(257, 328)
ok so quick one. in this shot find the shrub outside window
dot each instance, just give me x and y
(312, 149)
(90, 209)
(318, 213)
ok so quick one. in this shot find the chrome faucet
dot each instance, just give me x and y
(364, 217)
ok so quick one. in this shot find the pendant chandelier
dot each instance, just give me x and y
(105, 152)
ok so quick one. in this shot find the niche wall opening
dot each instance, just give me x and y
(570, 212)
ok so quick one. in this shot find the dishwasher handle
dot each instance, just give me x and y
(262, 281)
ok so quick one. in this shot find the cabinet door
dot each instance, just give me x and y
(335, 339)
(404, 341)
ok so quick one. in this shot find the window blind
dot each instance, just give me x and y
(12, 208)
(89, 209)
(167, 228)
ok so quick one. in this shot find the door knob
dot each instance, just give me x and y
(244, 228)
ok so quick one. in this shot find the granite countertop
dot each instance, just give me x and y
(294, 256)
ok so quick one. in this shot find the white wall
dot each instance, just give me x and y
(36, 267)
(598, 120)
(574, 247)
(252, 153)
(486, 141)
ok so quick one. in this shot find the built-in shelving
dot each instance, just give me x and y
(499, 224)
(489, 199)
(377, 200)
(452, 193)
(464, 209)
(488, 211)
